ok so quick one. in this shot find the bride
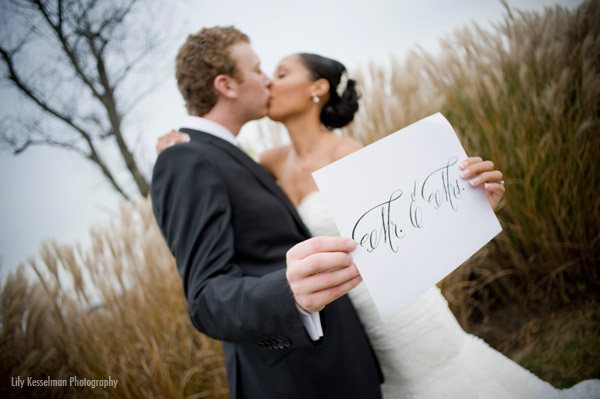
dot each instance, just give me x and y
(423, 351)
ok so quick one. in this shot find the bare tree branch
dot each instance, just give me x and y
(89, 37)
(58, 30)
(18, 82)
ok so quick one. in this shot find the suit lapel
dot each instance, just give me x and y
(261, 174)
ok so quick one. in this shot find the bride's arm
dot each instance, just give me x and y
(167, 140)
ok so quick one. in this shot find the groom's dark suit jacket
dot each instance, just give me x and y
(229, 227)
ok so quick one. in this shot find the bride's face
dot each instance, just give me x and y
(290, 89)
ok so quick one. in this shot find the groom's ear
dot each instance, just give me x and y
(226, 86)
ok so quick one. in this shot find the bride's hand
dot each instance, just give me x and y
(480, 172)
(167, 140)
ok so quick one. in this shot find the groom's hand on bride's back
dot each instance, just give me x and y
(320, 270)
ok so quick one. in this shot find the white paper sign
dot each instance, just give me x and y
(403, 201)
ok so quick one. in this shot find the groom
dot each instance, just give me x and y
(234, 234)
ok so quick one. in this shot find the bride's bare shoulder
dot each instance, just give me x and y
(272, 159)
(345, 146)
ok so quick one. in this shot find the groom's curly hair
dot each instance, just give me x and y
(203, 57)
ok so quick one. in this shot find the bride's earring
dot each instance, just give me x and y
(316, 99)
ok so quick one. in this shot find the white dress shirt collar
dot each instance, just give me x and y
(210, 127)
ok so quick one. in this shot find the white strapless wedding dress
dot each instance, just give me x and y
(425, 353)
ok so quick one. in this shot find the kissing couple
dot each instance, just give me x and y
(263, 267)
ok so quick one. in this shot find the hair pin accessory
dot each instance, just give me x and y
(342, 85)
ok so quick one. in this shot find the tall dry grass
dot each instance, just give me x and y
(115, 309)
(534, 109)
(393, 96)
(525, 94)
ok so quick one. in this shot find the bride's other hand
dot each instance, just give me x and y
(479, 172)
(167, 140)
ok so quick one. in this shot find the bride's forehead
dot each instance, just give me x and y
(289, 61)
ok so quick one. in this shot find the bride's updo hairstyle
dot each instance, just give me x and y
(343, 100)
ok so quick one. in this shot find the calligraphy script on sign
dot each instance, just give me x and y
(403, 201)
(436, 190)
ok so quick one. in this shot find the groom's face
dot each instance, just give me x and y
(253, 91)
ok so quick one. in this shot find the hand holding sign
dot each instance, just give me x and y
(481, 172)
(413, 216)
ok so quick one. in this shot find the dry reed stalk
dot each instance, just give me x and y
(530, 103)
(116, 309)
(525, 94)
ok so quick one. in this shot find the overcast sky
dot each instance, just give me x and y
(50, 193)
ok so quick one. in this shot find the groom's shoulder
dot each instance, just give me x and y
(184, 155)
(180, 150)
